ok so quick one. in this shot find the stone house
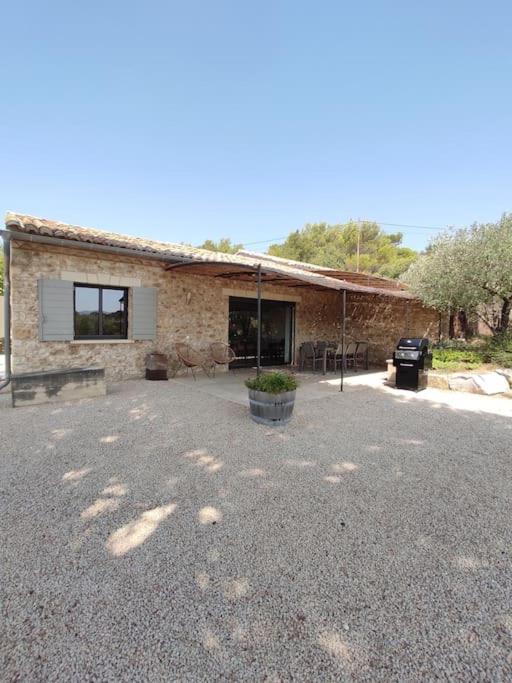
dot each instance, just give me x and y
(82, 297)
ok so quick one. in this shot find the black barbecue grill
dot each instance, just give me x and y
(411, 359)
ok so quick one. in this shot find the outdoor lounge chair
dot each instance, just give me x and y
(191, 358)
(221, 354)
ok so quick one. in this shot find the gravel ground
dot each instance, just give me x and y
(159, 534)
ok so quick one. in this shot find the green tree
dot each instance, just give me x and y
(336, 246)
(224, 245)
(469, 270)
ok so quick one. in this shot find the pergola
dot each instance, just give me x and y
(267, 273)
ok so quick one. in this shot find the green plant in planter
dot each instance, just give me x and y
(273, 383)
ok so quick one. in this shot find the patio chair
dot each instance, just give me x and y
(221, 354)
(345, 355)
(320, 347)
(309, 354)
(361, 355)
(192, 358)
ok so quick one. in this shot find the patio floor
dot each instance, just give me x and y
(158, 534)
(313, 385)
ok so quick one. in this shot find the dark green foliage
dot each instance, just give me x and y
(499, 351)
(468, 270)
(272, 383)
(503, 359)
(336, 246)
(224, 245)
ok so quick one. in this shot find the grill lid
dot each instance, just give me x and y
(409, 354)
(412, 343)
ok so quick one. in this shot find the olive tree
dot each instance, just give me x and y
(468, 270)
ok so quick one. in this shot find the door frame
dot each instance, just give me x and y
(292, 302)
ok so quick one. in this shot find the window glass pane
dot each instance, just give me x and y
(113, 312)
(86, 311)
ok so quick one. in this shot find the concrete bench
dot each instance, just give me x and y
(48, 386)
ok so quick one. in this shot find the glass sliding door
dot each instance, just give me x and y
(277, 321)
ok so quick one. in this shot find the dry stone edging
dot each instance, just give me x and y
(485, 383)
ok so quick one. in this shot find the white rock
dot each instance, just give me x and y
(506, 372)
(492, 383)
(486, 383)
(463, 383)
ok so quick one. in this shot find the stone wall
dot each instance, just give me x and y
(380, 320)
(191, 308)
(383, 320)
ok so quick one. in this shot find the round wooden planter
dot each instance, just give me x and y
(271, 409)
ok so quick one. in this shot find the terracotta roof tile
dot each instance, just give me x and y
(51, 228)
(74, 233)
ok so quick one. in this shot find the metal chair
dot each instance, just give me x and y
(320, 347)
(346, 355)
(309, 354)
(191, 358)
(361, 355)
(221, 354)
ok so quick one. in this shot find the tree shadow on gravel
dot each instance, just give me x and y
(367, 540)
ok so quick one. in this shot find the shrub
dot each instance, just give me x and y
(456, 359)
(499, 351)
(455, 354)
(502, 359)
(272, 383)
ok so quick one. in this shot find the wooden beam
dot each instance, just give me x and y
(276, 279)
(172, 266)
(206, 264)
(235, 273)
(314, 287)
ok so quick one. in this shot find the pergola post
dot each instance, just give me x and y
(343, 321)
(258, 339)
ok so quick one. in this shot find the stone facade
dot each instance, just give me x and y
(191, 308)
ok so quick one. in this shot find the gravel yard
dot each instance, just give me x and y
(159, 534)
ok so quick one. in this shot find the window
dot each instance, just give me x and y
(100, 312)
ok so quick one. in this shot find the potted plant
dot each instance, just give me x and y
(272, 397)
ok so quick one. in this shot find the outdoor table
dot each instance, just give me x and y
(327, 350)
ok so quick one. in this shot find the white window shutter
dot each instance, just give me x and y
(143, 313)
(56, 315)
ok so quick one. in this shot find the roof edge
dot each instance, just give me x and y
(31, 228)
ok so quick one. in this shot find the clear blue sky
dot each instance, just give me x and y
(187, 120)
